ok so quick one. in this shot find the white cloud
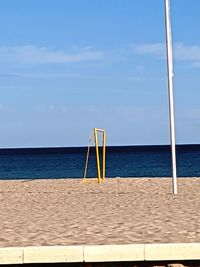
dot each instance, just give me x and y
(4, 109)
(196, 64)
(40, 75)
(43, 55)
(30, 54)
(181, 52)
(188, 53)
(189, 114)
(154, 49)
(52, 108)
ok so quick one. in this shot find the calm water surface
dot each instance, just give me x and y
(124, 161)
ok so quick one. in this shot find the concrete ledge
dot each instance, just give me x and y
(101, 253)
(53, 254)
(110, 253)
(176, 251)
(11, 255)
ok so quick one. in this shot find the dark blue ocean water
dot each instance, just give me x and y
(122, 161)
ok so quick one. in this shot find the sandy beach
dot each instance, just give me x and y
(119, 211)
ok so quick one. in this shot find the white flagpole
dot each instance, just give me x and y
(170, 91)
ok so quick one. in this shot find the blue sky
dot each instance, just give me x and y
(69, 66)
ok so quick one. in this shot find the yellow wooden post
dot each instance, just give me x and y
(97, 155)
(104, 157)
(87, 157)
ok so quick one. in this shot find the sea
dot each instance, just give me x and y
(121, 161)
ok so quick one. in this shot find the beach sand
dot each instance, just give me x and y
(119, 211)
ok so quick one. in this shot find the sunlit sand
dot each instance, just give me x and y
(118, 211)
